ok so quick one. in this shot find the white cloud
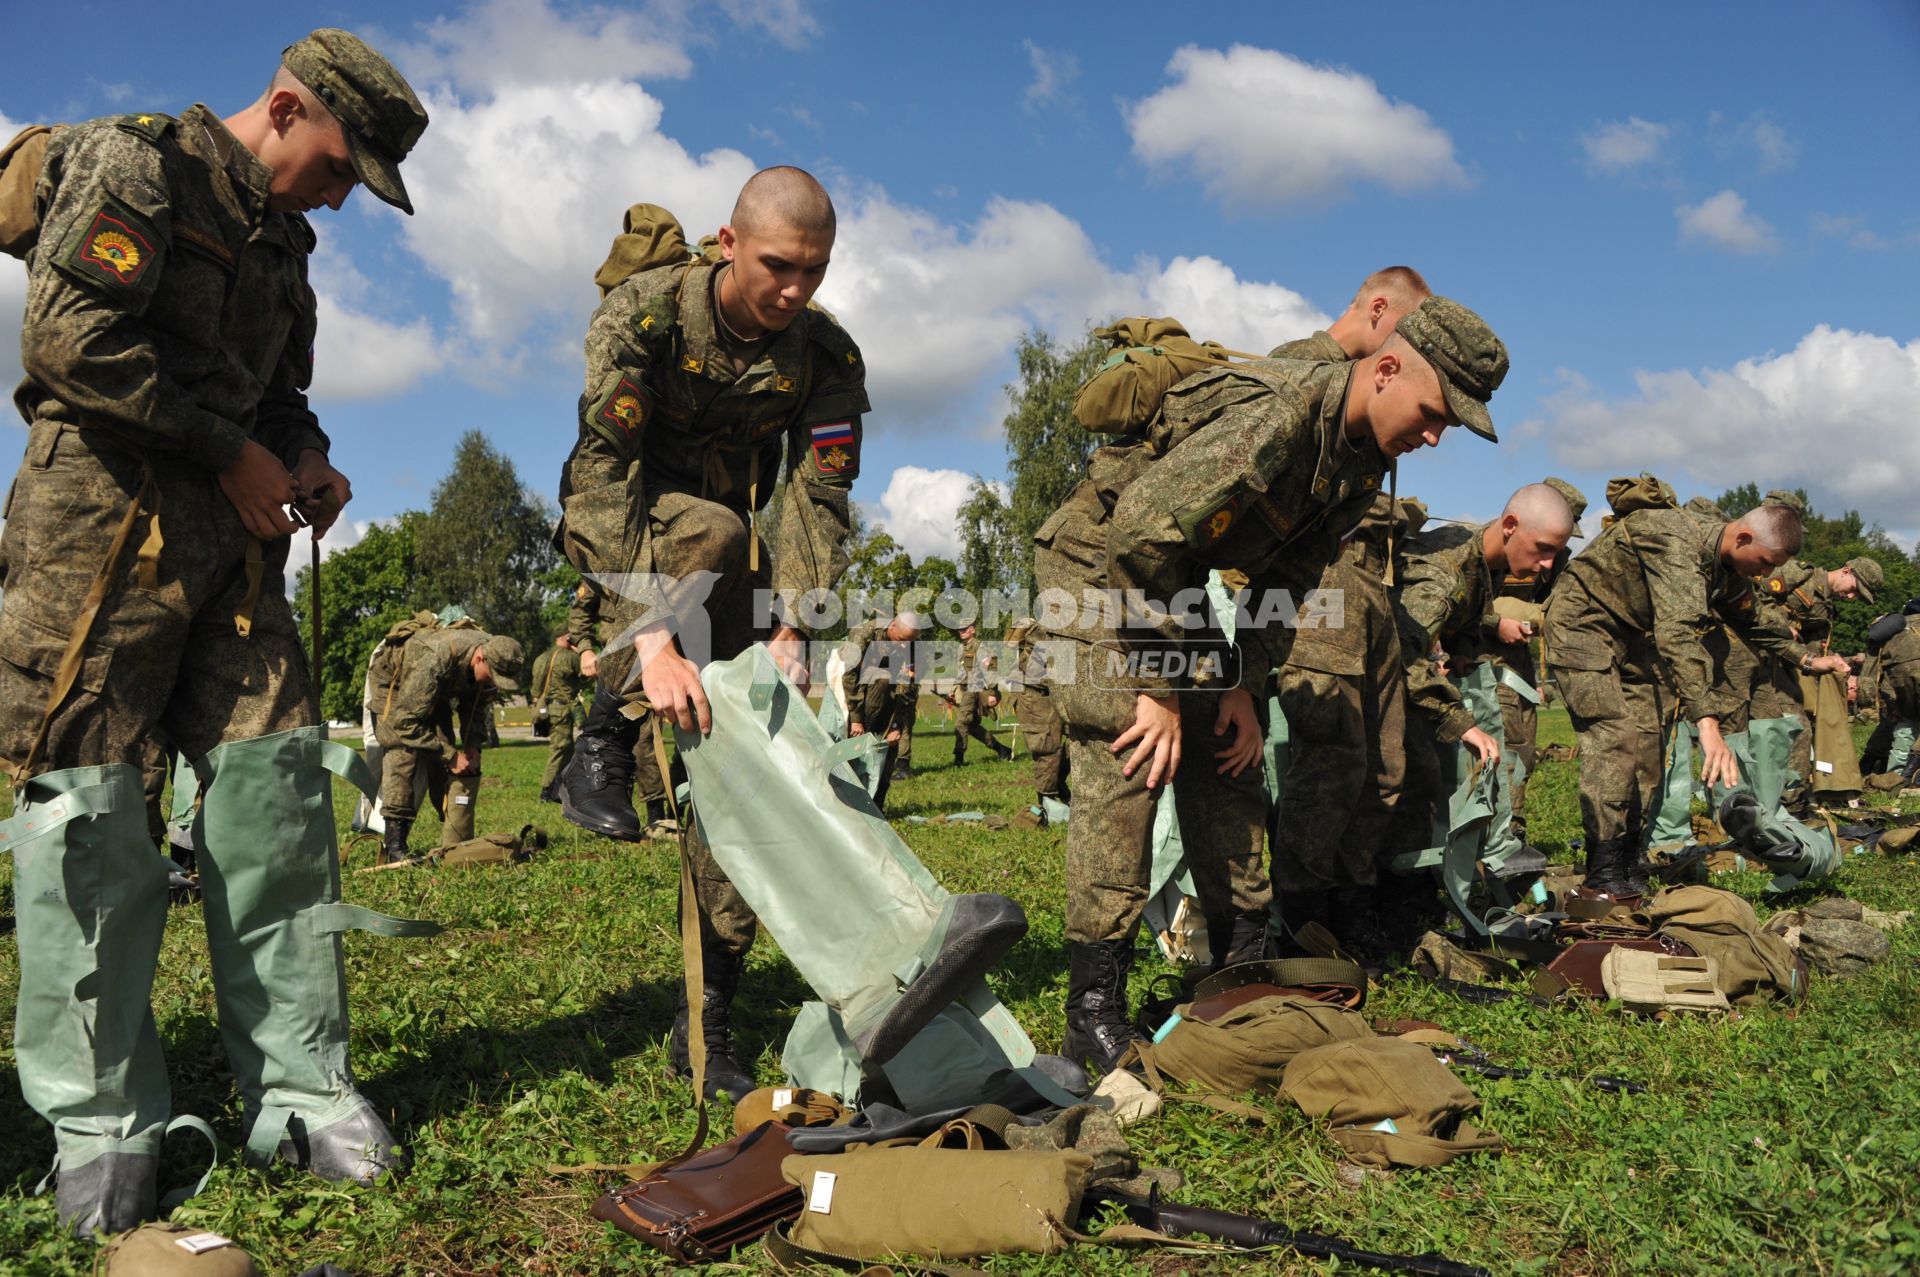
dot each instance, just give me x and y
(358, 354)
(1834, 414)
(503, 43)
(1724, 221)
(1624, 145)
(1052, 73)
(13, 300)
(919, 508)
(1262, 128)
(937, 308)
(1772, 147)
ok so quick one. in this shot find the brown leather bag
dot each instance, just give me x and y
(704, 1207)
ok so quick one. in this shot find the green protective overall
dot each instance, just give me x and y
(271, 872)
(90, 898)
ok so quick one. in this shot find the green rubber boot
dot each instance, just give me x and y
(90, 899)
(271, 870)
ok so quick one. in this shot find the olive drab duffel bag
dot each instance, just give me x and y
(1755, 966)
(1388, 1101)
(1148, 357)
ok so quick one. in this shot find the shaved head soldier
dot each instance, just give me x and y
(1368, 320)
(705, 374)
(168, 346)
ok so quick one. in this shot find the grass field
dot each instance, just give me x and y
(532, 1035)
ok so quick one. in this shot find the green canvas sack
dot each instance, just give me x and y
(171, 1250)
(21, 160)
(1644, 492)
(1755, 966)
(947, 1203)
(1389, 1102)
(1148, 357)
(650, 237)
(1249, 1047)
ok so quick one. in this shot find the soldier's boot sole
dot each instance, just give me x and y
(980, 931)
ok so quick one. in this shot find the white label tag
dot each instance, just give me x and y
(201, 1243)
(1823, 767)
(782, 1096)
(820, 1200)
(463, 800)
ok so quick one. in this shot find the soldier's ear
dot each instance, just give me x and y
(1386, 366)
(729, 241)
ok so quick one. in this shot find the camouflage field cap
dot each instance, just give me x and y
(1792, 500)
(1471, 361)
(378, 112)
(1576, 500)
(1868, 573)
(505, 659)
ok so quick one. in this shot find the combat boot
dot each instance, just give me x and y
(721, 980)
(1298, 910)
(980, 930)
(1243, 938)
(393, 842)
(960, 755)
(551, 794)
(596, 787)
(1610, 869)
(1099, 1026)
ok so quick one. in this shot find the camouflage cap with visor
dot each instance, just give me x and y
(1576, 500)
(504, 658)
(1868, 574)
(377, 110)
(1471, 361)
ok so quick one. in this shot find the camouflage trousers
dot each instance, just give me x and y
(969, 711)
(1521, 719)
(1620, 723)
(1040, 726)
(559, 740)
(402, 768)
(684, 535)
(1347, 767)
(903, 752)
(1223, 821)
(165, 666)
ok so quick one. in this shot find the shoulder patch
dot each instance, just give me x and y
(835, 449)
(1776, 585)
(149, 124)
(623, 411)
(1206, 526)
(117, 248)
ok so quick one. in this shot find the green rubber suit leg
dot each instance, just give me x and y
(1901, 750)
(90, 894)
(271, 871)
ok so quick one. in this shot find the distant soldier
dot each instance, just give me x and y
(974, 696)
(1629, 629)
(875, 650)
(552, 689)
(906, 696)
(1806, 594)
(1894, 644)
(444, 675)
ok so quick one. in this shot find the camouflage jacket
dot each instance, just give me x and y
(1902, 649)
(1249, 468)
(1801, 590)
(1657, 574)
(584, 626)
(165, 305)
(1366, 632)
(869, 657)
(435, 686)
(555, 680)
(1445, 593)
(1320, 348)
(667, 409)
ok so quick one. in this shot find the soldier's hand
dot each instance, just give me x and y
(1513, 631)
(670, 681)
(1484, 747)
(993, 700)
(1829, 665)
(589, 665)
(1718, 765)
(1853, 687)
(789, 652)
(1243, 748)
(893, 737)
(1156, 731)
(856, 729)
(320, 490)
(260, 489)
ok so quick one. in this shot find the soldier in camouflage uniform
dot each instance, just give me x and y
(1369, 319)
(906, 711)
(1040, 722)
(167, 348)
(443, 676)
(974, 697)
(552, 688)
(1523, 597)
(1262, 468)
(876, 686)
(1806, 594)
(589, 634)
(703, 377)
(1630, 629)
(1896, 661)
(1445, 595)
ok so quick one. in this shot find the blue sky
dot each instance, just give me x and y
(1696, 226)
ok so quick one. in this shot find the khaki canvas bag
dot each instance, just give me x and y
(1247, 1048)
(1754, 965)
(1389, 1102)
(650, 237)
(20, 163)
(1148, 357)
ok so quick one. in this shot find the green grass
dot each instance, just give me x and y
(532, 1033)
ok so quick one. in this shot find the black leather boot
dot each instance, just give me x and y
(721, 982)
(596, 787)
(1610, 868)
(1099, 1026)
(1241, 938)
(393, 843)
(980, 931)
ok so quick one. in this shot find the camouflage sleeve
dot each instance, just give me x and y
(851, 653)
(285, 425)
(1763, 626)
(426, 684)
(823, 459)
(1160, 535)
(105, 238)
(1427, 604)
(1669, 554)
(616, 405)
(583, 618)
